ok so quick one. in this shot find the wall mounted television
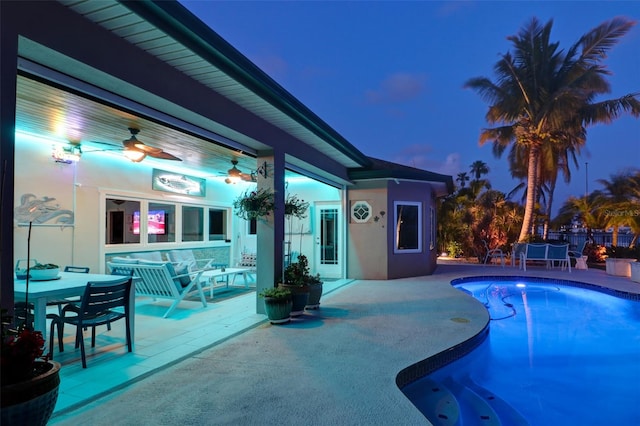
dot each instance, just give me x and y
(155, 222)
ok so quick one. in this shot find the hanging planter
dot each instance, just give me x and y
(295, 207)
(254, 204)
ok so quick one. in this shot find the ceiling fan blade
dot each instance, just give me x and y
(247, 177)
(163, 155)
(150, 150)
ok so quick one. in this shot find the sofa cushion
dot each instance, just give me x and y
(173, 271)
(148, 255)
(126, 260)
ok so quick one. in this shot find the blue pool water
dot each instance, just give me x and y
(555, 355)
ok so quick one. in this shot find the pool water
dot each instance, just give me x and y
(555, 355)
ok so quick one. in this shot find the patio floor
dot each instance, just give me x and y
(226, 365)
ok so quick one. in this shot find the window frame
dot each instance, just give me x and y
(419, 218)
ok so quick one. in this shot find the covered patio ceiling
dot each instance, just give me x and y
(48, 111)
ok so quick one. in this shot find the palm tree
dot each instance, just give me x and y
(463, 178)
(545, 96)
(616, 201)
(479, 169)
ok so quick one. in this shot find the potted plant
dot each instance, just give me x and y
(277, 304)
(295, 280)
(30, 380)
(315, 291)
(618, 261)
(254, 204)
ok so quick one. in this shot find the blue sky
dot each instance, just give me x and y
(389, 76)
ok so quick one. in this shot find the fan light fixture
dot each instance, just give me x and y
(233, 174)
(134, 154)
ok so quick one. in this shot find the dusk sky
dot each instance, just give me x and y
(389, 76)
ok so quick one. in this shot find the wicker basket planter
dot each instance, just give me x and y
(31, 402)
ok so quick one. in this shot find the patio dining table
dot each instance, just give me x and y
(68, 285)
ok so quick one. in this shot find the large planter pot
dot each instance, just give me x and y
(315, 293)
(635, 271)
(32, 401)
(278, 310)
(299, 297)
(619, 267)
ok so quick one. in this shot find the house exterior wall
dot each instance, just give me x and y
(371, 244)
(367, 243)
(412, 264)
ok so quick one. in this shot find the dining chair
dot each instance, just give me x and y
(77, 269)
(61, 302)
(98, 307)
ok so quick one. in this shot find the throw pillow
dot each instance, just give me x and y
(180, 269)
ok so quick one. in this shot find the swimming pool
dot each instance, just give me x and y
(556, 354)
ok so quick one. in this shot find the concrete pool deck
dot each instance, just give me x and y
(337, 365)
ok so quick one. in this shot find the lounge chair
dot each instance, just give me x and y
(493, 254)
(578, 256)
(160, 281)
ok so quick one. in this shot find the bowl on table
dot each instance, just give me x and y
(44, 274)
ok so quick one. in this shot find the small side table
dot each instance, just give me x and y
(581, 262)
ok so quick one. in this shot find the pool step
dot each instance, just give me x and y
(435, 401)
(507, 414)
(476, 410)
(461, 402)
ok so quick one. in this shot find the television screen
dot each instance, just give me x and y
(155, 222)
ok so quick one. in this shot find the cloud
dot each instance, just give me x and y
(419, 156)
(399, 87)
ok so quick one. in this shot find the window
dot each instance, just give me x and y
(150, 222)
(120, 227)
(161, 225)
(408, 227)
(433, 230)
(192, 223)
(217, 224)
(360, 211)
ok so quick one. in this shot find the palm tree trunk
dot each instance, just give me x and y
(552, 188)
(532, 172)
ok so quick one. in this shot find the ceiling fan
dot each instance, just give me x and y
(234, 175)
(136, 151)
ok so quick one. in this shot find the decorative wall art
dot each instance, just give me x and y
(178, 183)
(40, 211)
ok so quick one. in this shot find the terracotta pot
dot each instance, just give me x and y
(32, 401)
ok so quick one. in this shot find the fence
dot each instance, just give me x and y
(600, 238)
